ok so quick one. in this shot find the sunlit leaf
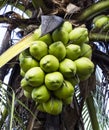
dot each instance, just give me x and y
(13, 51)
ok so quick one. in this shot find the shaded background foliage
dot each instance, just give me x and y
(95, 89)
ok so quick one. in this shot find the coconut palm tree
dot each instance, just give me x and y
(20, 18)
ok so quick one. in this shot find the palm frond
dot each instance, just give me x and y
(12, 110)
(3, 3)
(86, 118)
(10, 113)
(101, 99)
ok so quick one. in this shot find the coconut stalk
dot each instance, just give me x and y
(99, 37)
(93, 10)
(92, 112)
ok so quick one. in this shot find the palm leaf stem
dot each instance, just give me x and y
(93, 10)
(99, 37)
(92, 112)
(12, 111)
(16, 49)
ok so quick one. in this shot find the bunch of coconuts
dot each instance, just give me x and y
(53, 65)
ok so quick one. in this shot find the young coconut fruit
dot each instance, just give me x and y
(24, 54)
(28, 63)
(37, 34)
(38, 49)
(84, 66)
(68, 68)
(84, 77)
(73, 51)
(40, 94)
(49, 63)
(100, 21)
(40, 107)
(53, 106)
(46, 38)
(54, 80)
(27, 94)
(35, 76)
(68, 100)
(78, 35)
(65, 91)
(22, 73)
(68, 26)
(86, 51)
(25, 86)
(75, 80)
(58, 50)
(60, 34)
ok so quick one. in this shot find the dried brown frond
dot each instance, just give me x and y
(57, 6)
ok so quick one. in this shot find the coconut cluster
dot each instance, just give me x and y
(53, 65)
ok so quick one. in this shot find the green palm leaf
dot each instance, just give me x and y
(3, 3)
(16, 49)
